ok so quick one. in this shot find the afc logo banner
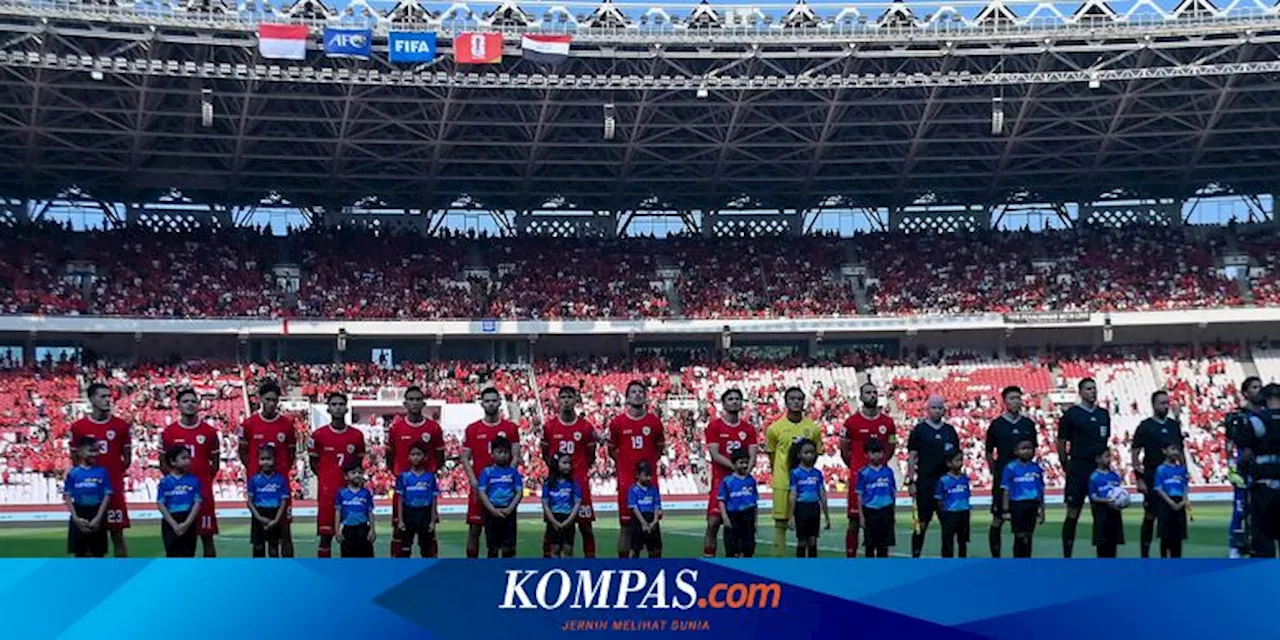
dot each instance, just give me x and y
(347, 43)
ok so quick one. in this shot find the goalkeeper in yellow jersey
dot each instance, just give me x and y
(1239, 534)
(778, 438)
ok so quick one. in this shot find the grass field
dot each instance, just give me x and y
(682, 537)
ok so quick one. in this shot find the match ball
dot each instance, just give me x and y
(1119, 495)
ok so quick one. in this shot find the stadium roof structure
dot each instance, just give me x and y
(671, 108)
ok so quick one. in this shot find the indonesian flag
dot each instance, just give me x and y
(283, 41)
(545, 49)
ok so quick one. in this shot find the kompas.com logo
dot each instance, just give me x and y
(615, 589)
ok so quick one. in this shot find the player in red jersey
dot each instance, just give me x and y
(725, 435)
(570, 433)
(115, 454)
(476, 456)
(269, 426)
(869, 423)
(331, 448)
(406, 430)
(635, 436)
(201, 439)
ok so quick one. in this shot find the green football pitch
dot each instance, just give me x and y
(682, 537)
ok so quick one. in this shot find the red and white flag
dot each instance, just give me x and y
(478, 48)
(283, 41)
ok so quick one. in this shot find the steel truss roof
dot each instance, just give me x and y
(878, 119)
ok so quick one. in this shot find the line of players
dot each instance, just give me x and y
(635, 439)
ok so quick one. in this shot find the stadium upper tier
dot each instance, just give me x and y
(658, 20)
(363, 275)
(681, 108)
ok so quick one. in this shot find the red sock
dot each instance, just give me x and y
(709, 549)
(589, 545)
(473, 553)
(546, 544)
(433, 548)
(324, 552)
(851, 544)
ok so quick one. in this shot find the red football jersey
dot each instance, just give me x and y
(113, 437)
(574, 439)
(480, 434)
(334, 449)
(730, 437)
(635, 441)
(858, 429)
(278, 431)
(404, 433)
(202, 441)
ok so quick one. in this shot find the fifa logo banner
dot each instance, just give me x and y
(347, 43)
(411, 46)
(478, 48)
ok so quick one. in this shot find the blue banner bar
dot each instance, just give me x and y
(730, 599)
(347, 43)
(411, 46)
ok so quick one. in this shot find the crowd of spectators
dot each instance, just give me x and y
(352, 273)
(1093, 269)
(37, 404)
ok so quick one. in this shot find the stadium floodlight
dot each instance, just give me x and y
(1094, 81)
(702, 90)
(96, 75)
(206, 107)
(610, 123)
(997, 115)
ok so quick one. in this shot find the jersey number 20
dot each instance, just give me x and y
(566, 446)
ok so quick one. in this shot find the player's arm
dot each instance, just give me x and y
(846, 446)
(440, 452)
(891, 441)
(166, 515)
(360, 448)
(1040, 483)
(215, 454)
(71, 505)
(313, 454)
(1136, 455)
(373, 517)
(858, 486)
(248, 498)
(515, 504)
(592, 440)
(716, 457)
(990, 446)
(126, 447)
(1064, 434)
(1006, 483)
(544, 445)
(770, 443)
(479, 485)
(822, 498)
(577, 504)
(399, 502)
(195, 512)
(791, 501)
(722, 497)
(242, 444)
(391, 453)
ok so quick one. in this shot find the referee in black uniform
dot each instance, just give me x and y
(1003, 436)
(1149, 440)
(928, 447)
(1086, 428)
(1260, 450)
